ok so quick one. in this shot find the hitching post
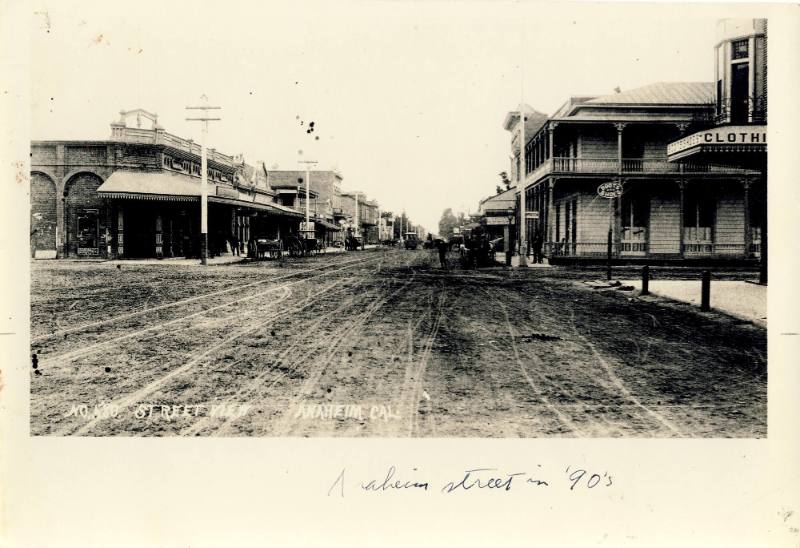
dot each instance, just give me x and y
(645, 280)
(204, 176)
(705, 292)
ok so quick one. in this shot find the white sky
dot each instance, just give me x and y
(408, 98)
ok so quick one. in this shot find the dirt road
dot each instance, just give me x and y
(380, 343)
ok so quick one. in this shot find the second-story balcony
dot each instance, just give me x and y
(630, 167)
(158, 136)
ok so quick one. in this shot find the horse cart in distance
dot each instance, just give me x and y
(266, 249)
(411, 239)
(299, 246)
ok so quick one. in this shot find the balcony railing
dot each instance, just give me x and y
(750, 111)
(630, 166)
(161, 137)
(635, 242)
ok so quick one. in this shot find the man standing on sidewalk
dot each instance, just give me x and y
(441, 247)
(537, 246)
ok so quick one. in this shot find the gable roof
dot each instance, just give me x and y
(661, 93)
(533, 118)
(499, 202)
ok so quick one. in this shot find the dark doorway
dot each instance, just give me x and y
(740, 92)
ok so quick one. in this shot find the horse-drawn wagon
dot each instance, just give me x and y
(263, 248)
(304, 247)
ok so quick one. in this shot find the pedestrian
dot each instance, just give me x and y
(441, 247)
(537, 246)
(234, 242)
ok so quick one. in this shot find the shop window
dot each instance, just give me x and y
(558, 222)
(634, 211)
(698, 211)
(88, 231)
(740, 49)
(574, 229)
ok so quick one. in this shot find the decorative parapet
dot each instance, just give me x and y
(158, 136)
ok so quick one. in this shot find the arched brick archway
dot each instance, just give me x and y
(85, 216)
(44, 217)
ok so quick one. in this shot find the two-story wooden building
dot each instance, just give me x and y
(667, 211)
(137, 194)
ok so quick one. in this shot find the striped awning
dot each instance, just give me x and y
(151, 185)
(329, 226)
(177, 187)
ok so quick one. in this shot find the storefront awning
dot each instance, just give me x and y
(149, 185)
(329, 226)
(743, 146)
(499, 202)
(176, 187)
(286, 210)
(274, 209)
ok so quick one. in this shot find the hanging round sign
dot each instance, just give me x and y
(612, 189)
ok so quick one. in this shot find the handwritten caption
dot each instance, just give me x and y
(571, 478)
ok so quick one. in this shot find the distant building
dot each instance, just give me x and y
(498, 215)
(360, 214)
(369, 221)
(386, 226)
(324, 195)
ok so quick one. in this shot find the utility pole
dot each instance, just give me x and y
(358, 220)
(308, 164)
(523, 221)
(204, 175)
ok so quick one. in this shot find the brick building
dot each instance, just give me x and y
(369, 221)
(137, 194)
(360, 215)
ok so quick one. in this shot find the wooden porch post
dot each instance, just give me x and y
(159, 237)
(681, 213)
(551, 228)
(618, 221)
(748, 237)
(539, 208)
(120, 232)
(620, 126)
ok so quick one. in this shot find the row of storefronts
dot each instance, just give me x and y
(688, 160)
(137, 195)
